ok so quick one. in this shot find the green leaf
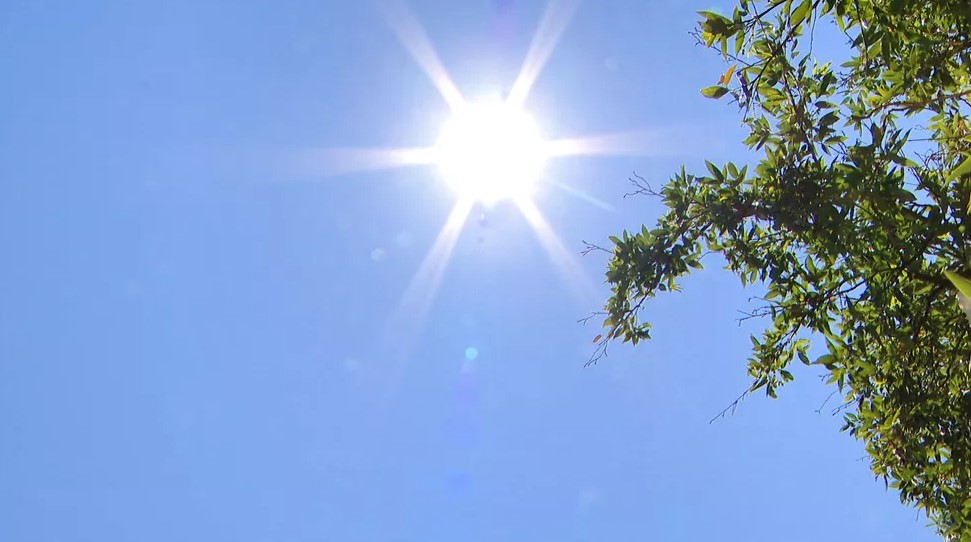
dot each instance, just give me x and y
(963, 168)
(715, 26)
(829, 118)
(715, 91)
(715, 172)
(825, 359)
(962, 284)
(711, 16)
(799, 14)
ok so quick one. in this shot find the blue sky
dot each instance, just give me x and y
(202, 332)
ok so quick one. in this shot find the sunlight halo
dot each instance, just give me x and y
(489, 150)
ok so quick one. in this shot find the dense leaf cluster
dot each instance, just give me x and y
(857, 204)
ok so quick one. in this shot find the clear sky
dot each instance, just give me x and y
(214, 328)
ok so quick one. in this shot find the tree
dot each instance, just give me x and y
(856, 207)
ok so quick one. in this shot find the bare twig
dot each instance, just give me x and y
(599, 353)
(590, 247)
(587, 319)
(732, 407)
(759, 312)
(841, 408)
(643, 188)
(820, 409)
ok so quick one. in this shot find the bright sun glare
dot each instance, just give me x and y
(490, 150)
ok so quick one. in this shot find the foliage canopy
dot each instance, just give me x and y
(858, 203)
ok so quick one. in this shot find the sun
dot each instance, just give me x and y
(487, 151)
(490, 150)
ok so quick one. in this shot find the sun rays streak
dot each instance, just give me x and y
(338, 161)
(411, 34)
(328, 162)
(417, 300)
(634, 143)
(576, 192)
(551, 27)
(563, 261)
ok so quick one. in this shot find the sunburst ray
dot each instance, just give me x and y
(551, 27)
(409, 31)
(330, 162)
(563, 261)
(417, 301)
(633, 143)
(581, 194)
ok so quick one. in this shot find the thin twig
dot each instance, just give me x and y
(820, 409)
(732, 407)
(586, 319)
(590, 247)
(644, 188)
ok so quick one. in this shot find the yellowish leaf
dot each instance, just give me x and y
(727, 76)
